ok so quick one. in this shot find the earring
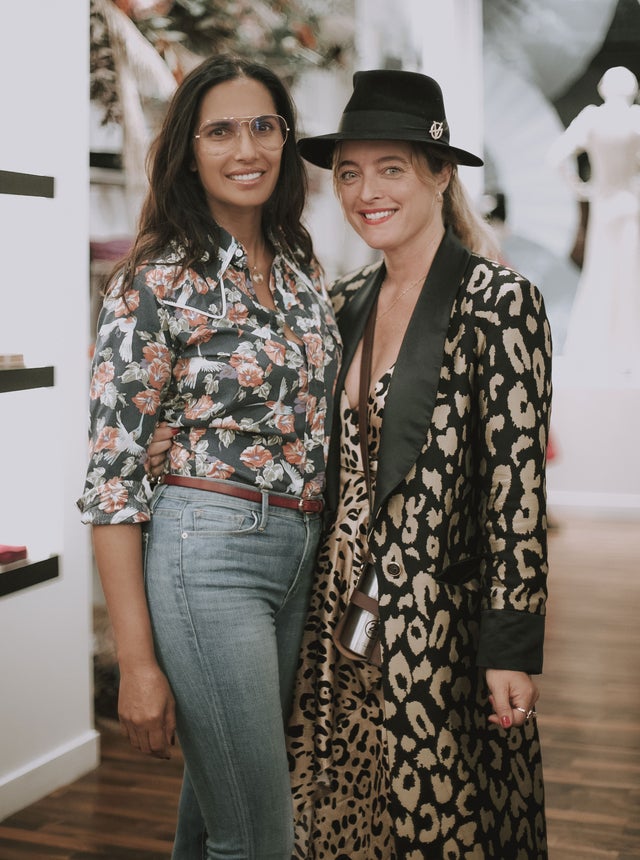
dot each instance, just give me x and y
(439, 197)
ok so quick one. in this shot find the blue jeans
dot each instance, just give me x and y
(228, 584)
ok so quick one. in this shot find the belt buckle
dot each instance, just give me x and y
(313, 505)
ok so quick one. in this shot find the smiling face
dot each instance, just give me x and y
(244, 177)
(388, 194)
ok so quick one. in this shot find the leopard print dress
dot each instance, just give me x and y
(337, 739)
(336, 735)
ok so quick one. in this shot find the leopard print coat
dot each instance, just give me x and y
(458, 537)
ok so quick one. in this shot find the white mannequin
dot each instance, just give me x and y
(604, 327)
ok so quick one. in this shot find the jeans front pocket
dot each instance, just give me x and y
(221, 518)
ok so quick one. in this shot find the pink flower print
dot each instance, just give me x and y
(107, 439)
(238, 313)
(311, 404)
(113, 496)
(313, 489)
(220, 470)
(236, 278)
(276, 352)
(200, 408)
(317, 424)
(124, 305)
(181, 369)
(102, 375)
(285, 423)
(194, 318)
(226, 423)
(178, 458)
(250, 374)
(256, 456)
(153, 351)
(147, 401)
(158, 361)
(291, 283)
(303, 379)
(158, 373)
(195, 435)
(315, 349)
(201, 286)
(294, 452)
(200, 335)
(161, 281)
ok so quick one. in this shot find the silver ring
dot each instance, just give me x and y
(527, 713)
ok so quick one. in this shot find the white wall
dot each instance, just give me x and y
(594, 421)
(46, 721)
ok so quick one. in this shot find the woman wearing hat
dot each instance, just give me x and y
(434, 753)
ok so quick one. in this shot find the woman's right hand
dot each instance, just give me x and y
(147, 711)
(158, 449)
(513, 697)
(146, 706)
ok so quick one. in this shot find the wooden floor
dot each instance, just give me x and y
(589, 721)
(590, 702)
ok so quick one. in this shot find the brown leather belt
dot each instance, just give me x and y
(305, 506)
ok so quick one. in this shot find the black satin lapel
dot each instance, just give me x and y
(351, 319)
(412, 391)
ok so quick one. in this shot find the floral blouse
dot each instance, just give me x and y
(201, 353)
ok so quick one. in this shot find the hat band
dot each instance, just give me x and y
(369, 124)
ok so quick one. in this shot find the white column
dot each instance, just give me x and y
(447, 37)
(441, 38)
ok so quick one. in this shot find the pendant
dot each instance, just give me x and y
(257, 277)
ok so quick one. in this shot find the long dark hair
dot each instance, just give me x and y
(175, 207)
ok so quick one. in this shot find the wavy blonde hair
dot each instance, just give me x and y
(458, 211)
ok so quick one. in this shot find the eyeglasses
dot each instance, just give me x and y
(218, 136)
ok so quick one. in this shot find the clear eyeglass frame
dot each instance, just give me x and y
(218, 136)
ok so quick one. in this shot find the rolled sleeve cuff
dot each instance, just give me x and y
(96, 513)
(511, 640)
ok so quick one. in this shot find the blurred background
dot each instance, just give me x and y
(83, 87)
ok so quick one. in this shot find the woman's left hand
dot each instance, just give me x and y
(513, 697)
(158, 450)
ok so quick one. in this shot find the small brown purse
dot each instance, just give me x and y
(356, 635)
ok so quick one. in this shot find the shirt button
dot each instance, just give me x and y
(239, 252)
(393, 569)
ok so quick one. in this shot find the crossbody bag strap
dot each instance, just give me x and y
(363, 398)
(356, 633)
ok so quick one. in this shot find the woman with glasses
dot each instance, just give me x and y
(217, 323)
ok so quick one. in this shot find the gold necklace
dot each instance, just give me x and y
(404, 292)
(256, 276)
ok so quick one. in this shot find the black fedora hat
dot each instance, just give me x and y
(389, 104)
